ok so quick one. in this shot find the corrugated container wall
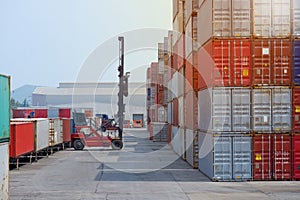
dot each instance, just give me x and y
(296, 18)
(296, 110)
(66, 129)
(191, 73)
(296, 61)
(271, 109)
(64, 112)
(191, 110)
(181, 121)
(4, 172)
(224, 110)
(191, 8)
(226, 18)
(271, 62)
(225, 158)
(191, 145)
(191, 36)
(272, 157)
(41, 132)
(296, 157)
(271, 18)
(22, 138)
(4, 108)
(227, 63)
(178, 141)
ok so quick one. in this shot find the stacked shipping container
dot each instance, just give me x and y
(241, 80)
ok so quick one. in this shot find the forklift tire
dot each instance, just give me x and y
(117, 144)
(78, 145)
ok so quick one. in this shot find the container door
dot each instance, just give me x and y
(262, 18)
(222, 158)
(296, 157)
(241, 16)
(281, 108)
(240, 58)
(241, 110)
(296, 59)
(261, 110)
(221, 110)
(262, 157)
(282, 157)
(296, 110)
(281, 20)
(282, 62)
(222, 18)
(242, 158)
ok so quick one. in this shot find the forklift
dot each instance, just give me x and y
(106, 135)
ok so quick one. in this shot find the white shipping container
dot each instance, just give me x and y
(214, 20)
(271, 18)
(178, 23)
(4, 171)
(41, 132)
(174, 85)
(296, 18)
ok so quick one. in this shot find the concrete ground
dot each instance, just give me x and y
(142, 170)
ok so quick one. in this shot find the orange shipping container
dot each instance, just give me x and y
(191, 73)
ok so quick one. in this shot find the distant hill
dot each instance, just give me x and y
(24, 92)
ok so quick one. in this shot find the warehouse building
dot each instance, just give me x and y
(100, 97)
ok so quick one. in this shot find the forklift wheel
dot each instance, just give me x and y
(117, 144)
(78, 145)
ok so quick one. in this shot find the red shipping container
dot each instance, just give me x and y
(169, 133)
(21, 138)
(296, 109)
(296, 157)
(18, 113)
(191, 73)
(271, 62)
(64, 113)
(154, 72)
(175, 112)
(40, 113)
(272, 157)
(66, 129)
(225, 62)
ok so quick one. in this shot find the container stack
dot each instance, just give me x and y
(191, 83)
(296, 89)
(177, 80)
(155, 100)
(4, 135)
(245, 76)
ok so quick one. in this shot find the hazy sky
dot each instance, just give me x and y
(47, 42)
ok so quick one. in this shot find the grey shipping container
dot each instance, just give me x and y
(4, 171)
(271, 109)
(225, 158)
(160, 132)
(241, 109)
(214, 106)
(4, 108)
(191, 145)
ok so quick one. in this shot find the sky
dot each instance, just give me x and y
(51, 41)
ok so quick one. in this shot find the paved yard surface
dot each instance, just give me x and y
(142, 170)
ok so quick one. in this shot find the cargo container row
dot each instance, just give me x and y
(266, 109)
(245, 19)
(42, 113)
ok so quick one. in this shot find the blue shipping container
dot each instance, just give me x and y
(4, 108)
(296, 62)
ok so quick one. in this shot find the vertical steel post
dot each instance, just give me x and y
(121, 85)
